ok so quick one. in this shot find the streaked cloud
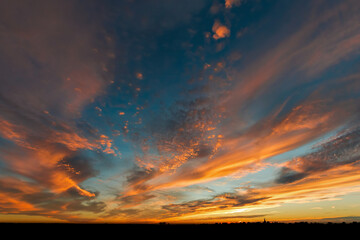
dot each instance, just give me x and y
(343, 150)
(328, 169)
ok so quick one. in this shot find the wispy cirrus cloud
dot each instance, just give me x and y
(21, 197)
(291, 125)
(53, 49)
(40, 146)
(308, 51)
(343, 150)
(52, 67)
(331, 171)
(278, 133)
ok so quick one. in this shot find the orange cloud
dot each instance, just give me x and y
(39, 104)
(11, 201)
(42, 166)
(305, 122)
(139, 75)
(231, 3)
(309, 50)
(328, 185)
(72, 141)
(273, 135)
(190, 147)
(327, 173)
(41, 159)
(301, 125)
(13, 205)
(69, 81)
(322, 112)
(59, 182)
(220, 31)
(107, 143)
(30, 198)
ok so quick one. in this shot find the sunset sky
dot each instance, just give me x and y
(191, 111)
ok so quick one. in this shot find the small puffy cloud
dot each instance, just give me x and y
(139, 75)
(231, 3)
(220, 31)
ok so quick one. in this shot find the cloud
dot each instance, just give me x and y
(57, 62)
(137, 181)
(78, 167)
(291, 125)
(286, 128)
(220, 31)
(288, 175)
(278, 133)
(340, 219)
(134, 200)
(46, 149)
(343, 150)
(326, 174)
(176, 135)
(53, 49)
(26, 198)
(231, 3)
(53, 63)
(181, 144)
(232, 217)
(308, 51)
(282, 130)
(11, 190)
(218, 204)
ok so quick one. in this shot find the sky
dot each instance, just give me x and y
(140, 111)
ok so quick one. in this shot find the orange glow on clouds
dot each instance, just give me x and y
(220, 31)
(182, 113)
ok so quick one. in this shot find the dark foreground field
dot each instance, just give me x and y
(176, 231)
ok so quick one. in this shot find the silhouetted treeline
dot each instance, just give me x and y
(170, 231)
